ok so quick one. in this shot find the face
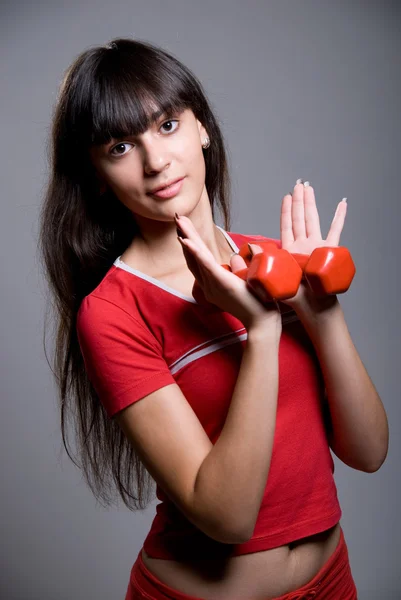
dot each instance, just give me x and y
(168, 150)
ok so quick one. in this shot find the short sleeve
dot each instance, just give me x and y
(122, 358)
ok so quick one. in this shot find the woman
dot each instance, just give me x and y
(230, 405)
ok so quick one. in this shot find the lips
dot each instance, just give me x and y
(170, 191)
(158, 189)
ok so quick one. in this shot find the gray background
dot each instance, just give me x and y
(303, 89)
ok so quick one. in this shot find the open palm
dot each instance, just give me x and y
(300, 224)
(300, 234)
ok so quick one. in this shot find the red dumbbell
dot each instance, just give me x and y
(273, 274)
(328, 270)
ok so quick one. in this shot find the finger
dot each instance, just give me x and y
(254, 249)
(337, 224)
(206, 266)
(189, 229)
(298, 211)
(201, 262)
(190, 257)
(286, 232)
(312, 220)
(237, 263)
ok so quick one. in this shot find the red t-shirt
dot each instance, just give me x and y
(137, 335)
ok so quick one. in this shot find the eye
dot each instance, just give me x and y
(171, 121)
(118, 146)
(122, 144)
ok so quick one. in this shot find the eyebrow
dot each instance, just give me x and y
(170, 111)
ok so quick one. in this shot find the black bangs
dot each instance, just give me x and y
(122, 96)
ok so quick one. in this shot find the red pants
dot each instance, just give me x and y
(333, 582)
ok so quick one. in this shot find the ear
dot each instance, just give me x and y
(202, 131)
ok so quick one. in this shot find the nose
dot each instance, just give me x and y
(155, 156)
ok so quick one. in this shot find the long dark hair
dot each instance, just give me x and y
(105, 94)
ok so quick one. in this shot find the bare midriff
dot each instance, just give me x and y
(266, 574)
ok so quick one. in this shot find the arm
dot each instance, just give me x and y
(210, 483)
(359, 432)
(359, 429)
(240, 459)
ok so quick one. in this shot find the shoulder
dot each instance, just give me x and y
(113, 300)
(99, 315)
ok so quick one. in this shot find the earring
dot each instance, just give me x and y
(206, 143)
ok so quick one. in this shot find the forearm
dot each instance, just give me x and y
(232, 478)
(359, 435)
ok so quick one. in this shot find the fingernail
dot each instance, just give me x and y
(250, 249)
(344, 200)
(306, 183)
(299, 181)
(233, 254)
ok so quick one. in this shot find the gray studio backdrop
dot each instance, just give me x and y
(303, 89)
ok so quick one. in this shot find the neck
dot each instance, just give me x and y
(158, 239)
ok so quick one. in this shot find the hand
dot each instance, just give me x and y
(300, 234)
(222, 287)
